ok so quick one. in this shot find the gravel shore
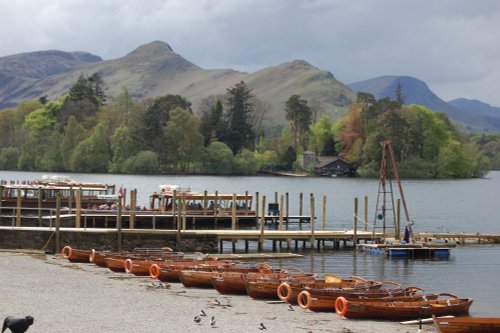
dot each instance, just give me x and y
(65, 297)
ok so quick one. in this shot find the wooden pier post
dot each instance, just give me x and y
(78, 205)
(287, 207)
(323, 220)
(257, 207)
(40, 204)
(176, 220)
(18, 210)
(398, 220)
(205, 204)
(58, 224)
(216, 207)
(365, 228)
(276, 197)
(233, 214)
(133, 205)
(312, 220)
(184, 209)
(300, 203)
(355, 235)
(119, 224)
(262, 223)
(281, 213)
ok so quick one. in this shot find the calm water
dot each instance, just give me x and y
(434, 205)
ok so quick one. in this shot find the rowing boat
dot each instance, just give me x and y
(322, 303)
(75, 255)
(266, 287)
(355, 309)
(467, 325)
(288, 291)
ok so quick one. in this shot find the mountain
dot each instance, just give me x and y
(475, 106)
(154, 70)
(18, 73)
(417, 92)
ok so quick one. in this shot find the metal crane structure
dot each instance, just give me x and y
(385, 196)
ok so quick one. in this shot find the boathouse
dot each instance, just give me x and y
(326, 165)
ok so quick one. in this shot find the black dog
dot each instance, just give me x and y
(17, 325)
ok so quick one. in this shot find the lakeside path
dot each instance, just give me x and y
(65, 297)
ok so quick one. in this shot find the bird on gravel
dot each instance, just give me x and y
(156, 284)
(262, 327)
(212, 321)
(202, 313)
(197, 319)
(290, 307)
(17, 325)
(217, 302)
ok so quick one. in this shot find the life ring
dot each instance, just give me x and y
(154, 271)
(128, 265)
(304, 299)
(341, 306)
(92, 255)
(66, 252)
(284, 291)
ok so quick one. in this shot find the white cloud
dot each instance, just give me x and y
(453, 45)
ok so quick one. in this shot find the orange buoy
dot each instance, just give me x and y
(341, 306)
(66, 252)
(284, 291)
(154, 271)
(304, 299)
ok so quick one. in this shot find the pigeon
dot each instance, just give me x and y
(212, 321)
(262, 327)
(197, 319)
(156, 284)
(290, 307)
(217, 302)
(202, 313)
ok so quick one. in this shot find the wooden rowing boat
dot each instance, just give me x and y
(355, 309)
(266, 287)
(168, 271)
(202, 277)
(324, 303)
(75, 255)
(288, 292)
(467, 325)
(364, 292)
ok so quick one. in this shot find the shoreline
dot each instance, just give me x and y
(69, 297)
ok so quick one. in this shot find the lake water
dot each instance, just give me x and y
(470, 205)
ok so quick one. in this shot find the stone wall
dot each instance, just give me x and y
(44, 239)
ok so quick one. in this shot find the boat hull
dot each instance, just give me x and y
(467, 325)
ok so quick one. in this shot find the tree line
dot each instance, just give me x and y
(86, 131)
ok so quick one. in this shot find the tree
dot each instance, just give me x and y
(93, 153)
(183, 139)
(218, 159)
(239, 114)
(213, 125)
(319, 134)
(90, 89)
(122, 147)
(156, 117)
(400, 97)
(74, 133)
(145, 162)
(299, 116)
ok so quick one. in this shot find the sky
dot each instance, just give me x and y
(452, 45)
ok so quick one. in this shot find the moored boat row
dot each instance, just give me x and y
(352, 297)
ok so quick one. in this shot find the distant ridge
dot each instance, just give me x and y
(155, 69)
(417, 92)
